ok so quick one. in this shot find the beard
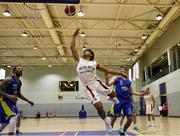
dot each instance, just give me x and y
(19, 74)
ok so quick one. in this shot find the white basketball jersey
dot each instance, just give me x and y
(148, 99)
(86, 71)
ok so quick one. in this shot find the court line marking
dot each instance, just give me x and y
(140, 134)
(76, 133)
(150, 131)
(63, 133)
(136, 133)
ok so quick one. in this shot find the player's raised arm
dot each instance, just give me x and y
(73, 43)
(106, 70)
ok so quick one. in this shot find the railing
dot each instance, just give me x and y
(164, 71)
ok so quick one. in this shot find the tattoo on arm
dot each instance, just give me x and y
(3, 86)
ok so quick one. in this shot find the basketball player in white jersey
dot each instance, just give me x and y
(86, 70)
(149, 104)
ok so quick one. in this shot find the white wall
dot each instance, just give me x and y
(42, 84)
(173, 92)
(172, 83)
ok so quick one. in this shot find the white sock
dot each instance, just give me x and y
(107, 121)
(12, 124)
(17, 128)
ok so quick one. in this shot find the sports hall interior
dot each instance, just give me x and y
(143, 35)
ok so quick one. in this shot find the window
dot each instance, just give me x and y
(149, 72)
(178, 59)
(160, 67)
(174, 63)
(2, 73)
(143, 76)
(175, 57)
(130, 74)
(136, 71)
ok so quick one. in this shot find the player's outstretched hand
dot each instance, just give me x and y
(76, 32)
(30, 102)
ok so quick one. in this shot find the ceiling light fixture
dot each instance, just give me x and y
(35, 47)
(9, 66)
(49, 66)
(136, 50)
(43, 58)
(82, 34)
(144, 36)
(6, 13)
(84, 48)
(24, 34)
(80, 13)
(128, 59)
(178, 44)
(159, 17)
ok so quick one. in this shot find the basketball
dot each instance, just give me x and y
(70, 10)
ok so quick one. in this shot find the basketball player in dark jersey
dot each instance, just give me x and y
(10, 91)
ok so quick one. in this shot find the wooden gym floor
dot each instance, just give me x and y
(63, 126)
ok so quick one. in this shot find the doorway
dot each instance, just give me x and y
(163, 99)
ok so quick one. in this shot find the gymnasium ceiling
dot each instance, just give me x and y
(113, 30)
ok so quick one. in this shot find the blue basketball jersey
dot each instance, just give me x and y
(13, 88)
(122, 87)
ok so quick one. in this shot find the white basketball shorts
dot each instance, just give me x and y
(149, 109)
(94, 88)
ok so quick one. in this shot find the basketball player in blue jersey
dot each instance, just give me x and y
(123, 91)
(10, 90)
(92, 85)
